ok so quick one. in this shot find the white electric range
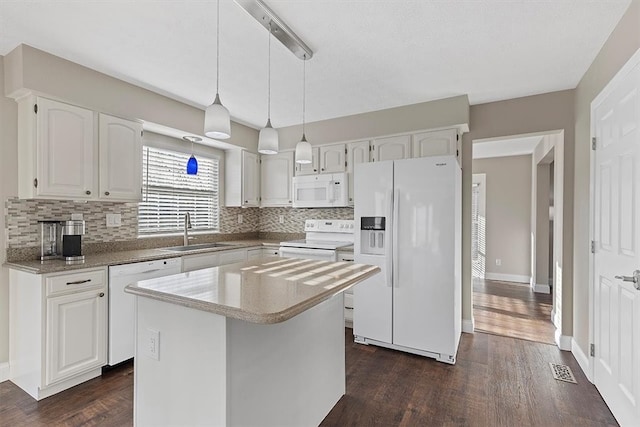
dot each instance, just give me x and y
(323, 239)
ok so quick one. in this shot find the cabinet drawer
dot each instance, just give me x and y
(73, 282)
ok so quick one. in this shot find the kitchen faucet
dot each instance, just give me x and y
(187, 226)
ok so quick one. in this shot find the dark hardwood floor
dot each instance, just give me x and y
(497, 381)
(512, 310)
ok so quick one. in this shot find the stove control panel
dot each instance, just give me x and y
(330, 225)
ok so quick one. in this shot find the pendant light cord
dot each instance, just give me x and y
(218, 47)
(269, 82)
(304, 97)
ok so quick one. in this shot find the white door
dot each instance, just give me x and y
(357, 152)
(120, 159)
(333, 158)
(392, 148)
(250, 179)
(309, 168)
(275, 179)
(435, 143)
(372, 298)
(616, 121)
(65, 166)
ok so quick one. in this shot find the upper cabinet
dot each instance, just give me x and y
(241, 179)
(436, 143)
(333, 158)
(61, 155)
(357, 152)
(308, 168)
(276, 176)
(120, 143)
(391, 148)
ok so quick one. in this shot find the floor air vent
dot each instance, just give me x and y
(562, 373)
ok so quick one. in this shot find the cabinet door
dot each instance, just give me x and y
(333, 158)
(250, 179)
(254, 253)
(229, 257)
(65, 151)
(276, 173)
(270, 252)
(436, 143)
(309, 168)
(120, 143)
(392, 148)
(357, 152)
(200, 261)
(76, 334)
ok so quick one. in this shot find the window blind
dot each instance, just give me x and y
(168, 192)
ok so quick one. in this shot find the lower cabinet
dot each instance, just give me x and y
(212, 259)
(58, 329)
(270, 252)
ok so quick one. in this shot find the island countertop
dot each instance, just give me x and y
(265, 290)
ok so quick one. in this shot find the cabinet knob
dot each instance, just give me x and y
(87, 192)
(106, 193)
(101, 294)
(246, 201)
(316, 170)
(322, 169)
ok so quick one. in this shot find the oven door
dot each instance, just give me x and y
(307, 253)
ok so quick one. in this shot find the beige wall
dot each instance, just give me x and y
(532, 114)
(8, 188)
(508, 209)
(621, 45)
(30, 69)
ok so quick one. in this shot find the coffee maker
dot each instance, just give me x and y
(71, 233)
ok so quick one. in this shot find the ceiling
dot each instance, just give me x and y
(369, 54)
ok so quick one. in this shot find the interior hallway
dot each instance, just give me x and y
(512, 310)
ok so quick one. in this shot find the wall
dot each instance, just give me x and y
(8, 188)
(532, 114)
(508, 207)
(623, 42)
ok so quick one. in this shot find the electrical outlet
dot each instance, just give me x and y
(114, 220)
(498, 261)
(240, 219)
(76, 216)
(151, 344)
(281, 219)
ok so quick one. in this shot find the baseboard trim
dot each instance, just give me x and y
(563, 341)
(468, 326)
(581, 358)
(542, 289)
(4, 371)
(507, 277)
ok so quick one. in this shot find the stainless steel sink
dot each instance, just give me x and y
(195, 247)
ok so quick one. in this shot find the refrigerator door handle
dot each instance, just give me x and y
(389, 257)
(394, 237)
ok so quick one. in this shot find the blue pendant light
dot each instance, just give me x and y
(192, 163)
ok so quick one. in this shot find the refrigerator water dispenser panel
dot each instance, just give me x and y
(372, 235)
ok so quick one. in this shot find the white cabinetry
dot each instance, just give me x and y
(309, 168)
(212, 259)
(58, 329)
(391, 148)
(242, 179)
(333, 158)
(357, 152)
(270, 251)
(436, 143)
(276, 176)
(120, 166)
(59, 156)
(229, 257)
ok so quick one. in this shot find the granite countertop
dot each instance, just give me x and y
(128, 257)
(266, 290)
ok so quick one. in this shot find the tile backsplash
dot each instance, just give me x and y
(22, 218)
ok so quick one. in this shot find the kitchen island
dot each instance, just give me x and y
(253, 343)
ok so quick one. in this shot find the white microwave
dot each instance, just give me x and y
(320, 191)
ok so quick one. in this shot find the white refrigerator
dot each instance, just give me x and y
(415, 304)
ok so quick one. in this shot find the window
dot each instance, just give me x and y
(168, 192)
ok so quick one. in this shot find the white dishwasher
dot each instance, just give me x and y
(122, 305)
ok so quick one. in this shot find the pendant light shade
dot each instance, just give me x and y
(303, 148)
(192, 166)
(303, 151)
(268, 140)
(217, 121)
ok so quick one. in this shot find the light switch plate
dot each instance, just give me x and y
(76, 216)
(281, 219)
(240, 219)
(114, 220)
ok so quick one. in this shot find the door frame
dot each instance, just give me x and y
(606, 91)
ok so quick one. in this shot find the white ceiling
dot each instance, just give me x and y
(369, 54)
(504, 147)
